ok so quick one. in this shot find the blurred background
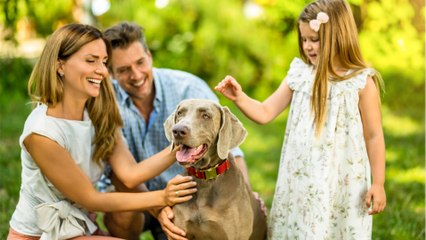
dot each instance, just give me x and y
(255, 41)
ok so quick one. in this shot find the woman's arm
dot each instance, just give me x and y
(259, 112)
(131, 173)
(60, 169)
(369, 105)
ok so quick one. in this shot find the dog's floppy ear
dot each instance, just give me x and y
(231, 133)
(168, 125)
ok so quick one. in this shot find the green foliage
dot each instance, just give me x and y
(15, 75)
(13, 111)
(208, 39)
(390, 41)
(43, 15)
(47, 15)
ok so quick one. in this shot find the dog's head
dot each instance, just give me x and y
(205, 130)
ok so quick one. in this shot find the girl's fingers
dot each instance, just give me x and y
(378, 207)
(368, 199)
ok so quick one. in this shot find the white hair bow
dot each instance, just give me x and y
(314, 24)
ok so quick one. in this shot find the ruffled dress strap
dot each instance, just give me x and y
(353, 84)
(360, 80)
(299, 76)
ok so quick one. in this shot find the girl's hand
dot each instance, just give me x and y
(230, 88)
(378, 196)
(179, 190)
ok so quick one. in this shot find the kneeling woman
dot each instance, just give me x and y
(72, 132)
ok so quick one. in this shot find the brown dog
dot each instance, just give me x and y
(224, 206)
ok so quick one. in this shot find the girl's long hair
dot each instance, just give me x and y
(45, 84)
(338, 40)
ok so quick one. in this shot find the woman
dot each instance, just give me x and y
(73, 129)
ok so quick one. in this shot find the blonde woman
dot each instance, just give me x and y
(334, 138)
(73, 129)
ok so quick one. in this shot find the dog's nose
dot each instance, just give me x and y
(180, 131)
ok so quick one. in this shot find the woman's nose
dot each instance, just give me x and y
(102, 69)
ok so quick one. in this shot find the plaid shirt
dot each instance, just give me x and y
(144, 138)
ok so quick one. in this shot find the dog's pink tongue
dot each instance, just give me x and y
(186, 155)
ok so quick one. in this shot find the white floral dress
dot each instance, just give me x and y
(322, 183)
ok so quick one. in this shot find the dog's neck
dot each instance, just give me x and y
(211, 172)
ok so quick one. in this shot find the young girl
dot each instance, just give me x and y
(333, 136)
(74, 128)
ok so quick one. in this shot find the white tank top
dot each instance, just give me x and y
(39, 201)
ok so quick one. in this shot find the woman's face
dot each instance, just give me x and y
(85, 70)
(311, 43)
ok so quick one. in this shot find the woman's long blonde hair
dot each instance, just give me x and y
(338, 39)
(45, 84)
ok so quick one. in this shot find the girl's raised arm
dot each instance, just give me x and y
(259, 112)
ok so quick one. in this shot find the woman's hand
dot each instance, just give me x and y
(179, 190)
(230, 88)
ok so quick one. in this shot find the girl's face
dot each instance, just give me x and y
(85, 70)
(311, 43)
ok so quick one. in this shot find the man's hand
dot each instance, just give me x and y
(262, 205)
(172, 231)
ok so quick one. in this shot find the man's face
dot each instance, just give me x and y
(132, 68)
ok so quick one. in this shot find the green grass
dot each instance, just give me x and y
(404, 217)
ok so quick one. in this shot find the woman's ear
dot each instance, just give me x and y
(60, 68)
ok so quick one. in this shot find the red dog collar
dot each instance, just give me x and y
(210, 173)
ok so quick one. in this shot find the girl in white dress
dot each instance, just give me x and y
(334, 136)
(72, 131)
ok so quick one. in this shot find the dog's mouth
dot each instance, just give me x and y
(191, 154)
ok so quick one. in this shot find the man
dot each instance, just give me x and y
(146, 97)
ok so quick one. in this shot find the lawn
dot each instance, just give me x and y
(404, 217)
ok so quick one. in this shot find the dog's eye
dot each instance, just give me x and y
(178, 113)
(206, 116)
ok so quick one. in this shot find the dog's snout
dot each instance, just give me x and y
(180, 131)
